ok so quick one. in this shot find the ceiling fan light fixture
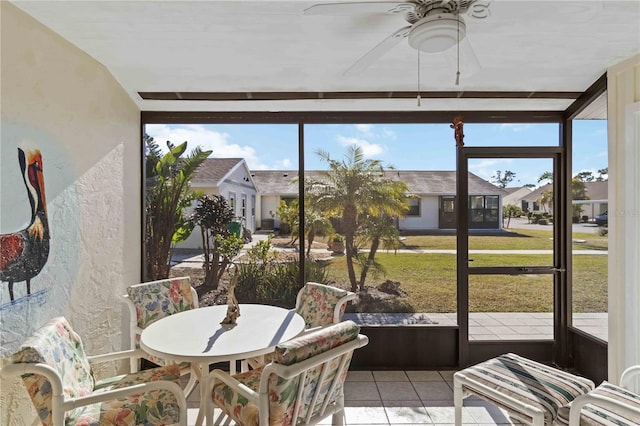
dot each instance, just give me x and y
(437, 33)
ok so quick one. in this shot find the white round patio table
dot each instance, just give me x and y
(196, 336)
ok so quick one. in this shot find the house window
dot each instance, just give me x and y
(483, 211)
(414, 207)
(288, 200)
(232, 201)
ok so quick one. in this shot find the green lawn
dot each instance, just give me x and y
(518, 239)
(430, 281)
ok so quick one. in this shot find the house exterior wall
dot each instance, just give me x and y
(235, 184)
(59, 100)
(268, 207)
(238, 182)
(428, 219)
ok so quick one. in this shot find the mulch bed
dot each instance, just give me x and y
(287, 252)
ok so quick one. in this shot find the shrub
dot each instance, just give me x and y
(603, 230)
(542, 221)
(263, 279)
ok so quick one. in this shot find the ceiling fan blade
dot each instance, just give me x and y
(359, 8)
(378, 51)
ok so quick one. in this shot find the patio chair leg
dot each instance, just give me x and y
(457, 402)
(338, 418)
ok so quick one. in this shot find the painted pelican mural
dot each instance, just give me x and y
(24, 253)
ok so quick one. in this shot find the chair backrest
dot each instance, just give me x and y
(59, 347)
(154, 300)
(321, 304)
(307, 374)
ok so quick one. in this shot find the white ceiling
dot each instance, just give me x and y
(272, 46)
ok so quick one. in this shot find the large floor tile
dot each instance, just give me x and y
(365, 413)
(390, 376)
(433, 391)
(406, 412)
(397, 391)
(361, 391)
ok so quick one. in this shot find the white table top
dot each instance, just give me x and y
(197, 335)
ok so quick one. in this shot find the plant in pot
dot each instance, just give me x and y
(337, 244)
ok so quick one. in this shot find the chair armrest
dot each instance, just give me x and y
(628, 375)
(113, 356)
(19, 369)
(614, 405)
(230, 381)
(172, 387)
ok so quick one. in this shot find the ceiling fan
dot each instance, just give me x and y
(435, 25)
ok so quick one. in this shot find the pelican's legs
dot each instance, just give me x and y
(29, 287)
(11, 291)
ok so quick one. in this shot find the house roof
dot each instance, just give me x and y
(595, 191)
(213, 171)
(511, 190)
(421, 182)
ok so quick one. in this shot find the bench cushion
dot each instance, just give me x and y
(529, 382)
(593, 414)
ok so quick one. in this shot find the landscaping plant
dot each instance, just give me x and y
(167, 196)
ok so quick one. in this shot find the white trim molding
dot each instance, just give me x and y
(623, 110)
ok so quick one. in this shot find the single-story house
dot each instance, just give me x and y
(597, 192)
(516, 196)
(433, 207)
(231, 178)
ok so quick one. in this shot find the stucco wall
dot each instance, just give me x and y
(57, 99)
(428, 219)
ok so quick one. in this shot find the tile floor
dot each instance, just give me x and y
(400, 398)
(426, 397)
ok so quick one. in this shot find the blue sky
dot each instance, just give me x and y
(404, 146)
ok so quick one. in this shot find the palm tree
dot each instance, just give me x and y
(351, 188)
(167, 196)
(377, 231)
(546, 199)
(578, 192)
(315, 223)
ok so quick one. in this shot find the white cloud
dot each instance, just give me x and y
(514, 127)
(364, 128)
(390, 134)
(368, 149)
(207, 139)
(486, 168)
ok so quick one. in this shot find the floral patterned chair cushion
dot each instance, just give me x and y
(317, 304)
(314, 343)
(59, 347)
(158, 299)
(158, 407)
(283, 392)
